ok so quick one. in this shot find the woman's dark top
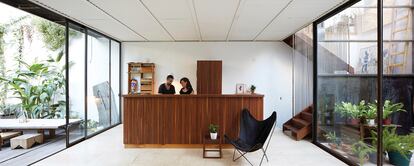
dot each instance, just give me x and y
(189, 91)
(163, 89)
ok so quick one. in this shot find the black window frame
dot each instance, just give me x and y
(52, 16)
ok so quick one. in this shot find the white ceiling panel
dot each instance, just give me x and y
(215, 17)
(135, 16)
(84, 12)
(193, 20)
(253, 16)
(178, 17)
(298, 14)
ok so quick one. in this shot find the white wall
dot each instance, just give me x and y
(268, 65)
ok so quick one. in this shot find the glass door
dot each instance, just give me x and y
(98, 86)
(77, 71)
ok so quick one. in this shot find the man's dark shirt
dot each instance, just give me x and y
(163, 89)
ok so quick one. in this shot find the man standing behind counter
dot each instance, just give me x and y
(167, 87)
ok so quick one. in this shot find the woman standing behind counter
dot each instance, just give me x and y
(187, 88)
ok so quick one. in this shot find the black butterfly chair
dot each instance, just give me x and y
(253, 135)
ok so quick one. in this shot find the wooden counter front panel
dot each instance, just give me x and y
(183, 120)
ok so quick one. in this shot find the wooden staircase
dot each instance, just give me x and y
(300, 125)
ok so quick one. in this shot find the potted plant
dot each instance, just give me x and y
(353, 111)
(390, 108)
(252, 89)
(335, 142)
(398, 147)
(362, 150)
(371, 114)
(213, 131)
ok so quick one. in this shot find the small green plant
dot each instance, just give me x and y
(40, 87)
(392, 142)
(362, 150)
(252, 88)
(331, 136)
(213, 128)
(354, 111)
(388, 108)
(371, 112)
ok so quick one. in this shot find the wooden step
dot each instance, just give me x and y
(290, 128)
(306, 116)
(300, 125)
(301, 121)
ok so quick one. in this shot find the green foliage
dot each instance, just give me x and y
(3, 93)
(362, 150)
(388, 108)
(331, 136)
(38, 86)
(367, 110)
(53, 35)
(252, 88)
(392, 142)
(354, 111)
(9, 109)
(91, 124)
(371, 112)
(213, 128)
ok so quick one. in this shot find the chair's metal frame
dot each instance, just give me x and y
(242, 154)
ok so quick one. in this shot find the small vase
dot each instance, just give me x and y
(213, 136)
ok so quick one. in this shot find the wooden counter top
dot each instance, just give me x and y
(183, 120)
(196, 95)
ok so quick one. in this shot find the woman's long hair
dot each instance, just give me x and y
(185, 79)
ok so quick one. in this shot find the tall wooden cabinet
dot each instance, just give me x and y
(141, 78)
(209, 77)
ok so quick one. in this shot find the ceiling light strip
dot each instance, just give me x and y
(205, 41)
(196, 20)
(234, 18)
(117, 20)
(152, 14)
(271, 21)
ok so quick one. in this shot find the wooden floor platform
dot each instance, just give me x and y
(18, 157)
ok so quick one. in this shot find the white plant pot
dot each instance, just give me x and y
(371, 122)
(213, 136)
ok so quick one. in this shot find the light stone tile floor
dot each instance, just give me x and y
(107, 149)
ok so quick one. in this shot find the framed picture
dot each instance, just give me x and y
(240, 88)
(367, 60)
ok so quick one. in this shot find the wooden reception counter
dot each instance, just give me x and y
(181, 120)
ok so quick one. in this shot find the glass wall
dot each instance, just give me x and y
(35, 56)
(302, 68)
(77, 45)
(98, 88)
(115, 86)
(347, 79)
(32, 83)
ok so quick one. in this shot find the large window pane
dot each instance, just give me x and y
(77, 74)
(115, 77)
(303, 65)
(347, 84)
(32, 84)
(98, 88)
